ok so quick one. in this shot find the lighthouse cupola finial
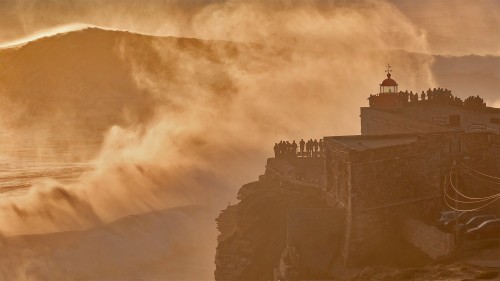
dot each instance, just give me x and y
(388, 70)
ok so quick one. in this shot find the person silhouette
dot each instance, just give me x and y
(294, 149)
(311, 144)
(282, 148)
(302, 143)
(276, 150)
(316, 146)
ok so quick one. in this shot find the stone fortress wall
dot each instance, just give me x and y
(379, 179)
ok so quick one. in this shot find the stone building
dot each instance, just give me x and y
(377, 179)
(396, 169)
(381, 180)
(365, 193)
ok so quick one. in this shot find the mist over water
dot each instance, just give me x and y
(26, 161)
(179, 125)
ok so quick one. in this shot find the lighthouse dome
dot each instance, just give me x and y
(389, 81)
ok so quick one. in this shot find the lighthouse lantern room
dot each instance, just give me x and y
(388, 85)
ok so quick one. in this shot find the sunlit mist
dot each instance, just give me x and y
(159, 132)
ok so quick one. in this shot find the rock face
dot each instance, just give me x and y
(254, 231)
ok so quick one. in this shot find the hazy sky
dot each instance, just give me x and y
(456, 27)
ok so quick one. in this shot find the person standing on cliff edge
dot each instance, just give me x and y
(310, 147)
(294, 149)
(302, 143)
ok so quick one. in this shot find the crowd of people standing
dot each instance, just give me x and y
(311, 148)
(436, 96)
(439, 96)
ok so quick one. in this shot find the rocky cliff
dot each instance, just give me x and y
(283, 229)
(254, 231)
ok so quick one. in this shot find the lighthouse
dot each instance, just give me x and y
(388, 97)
